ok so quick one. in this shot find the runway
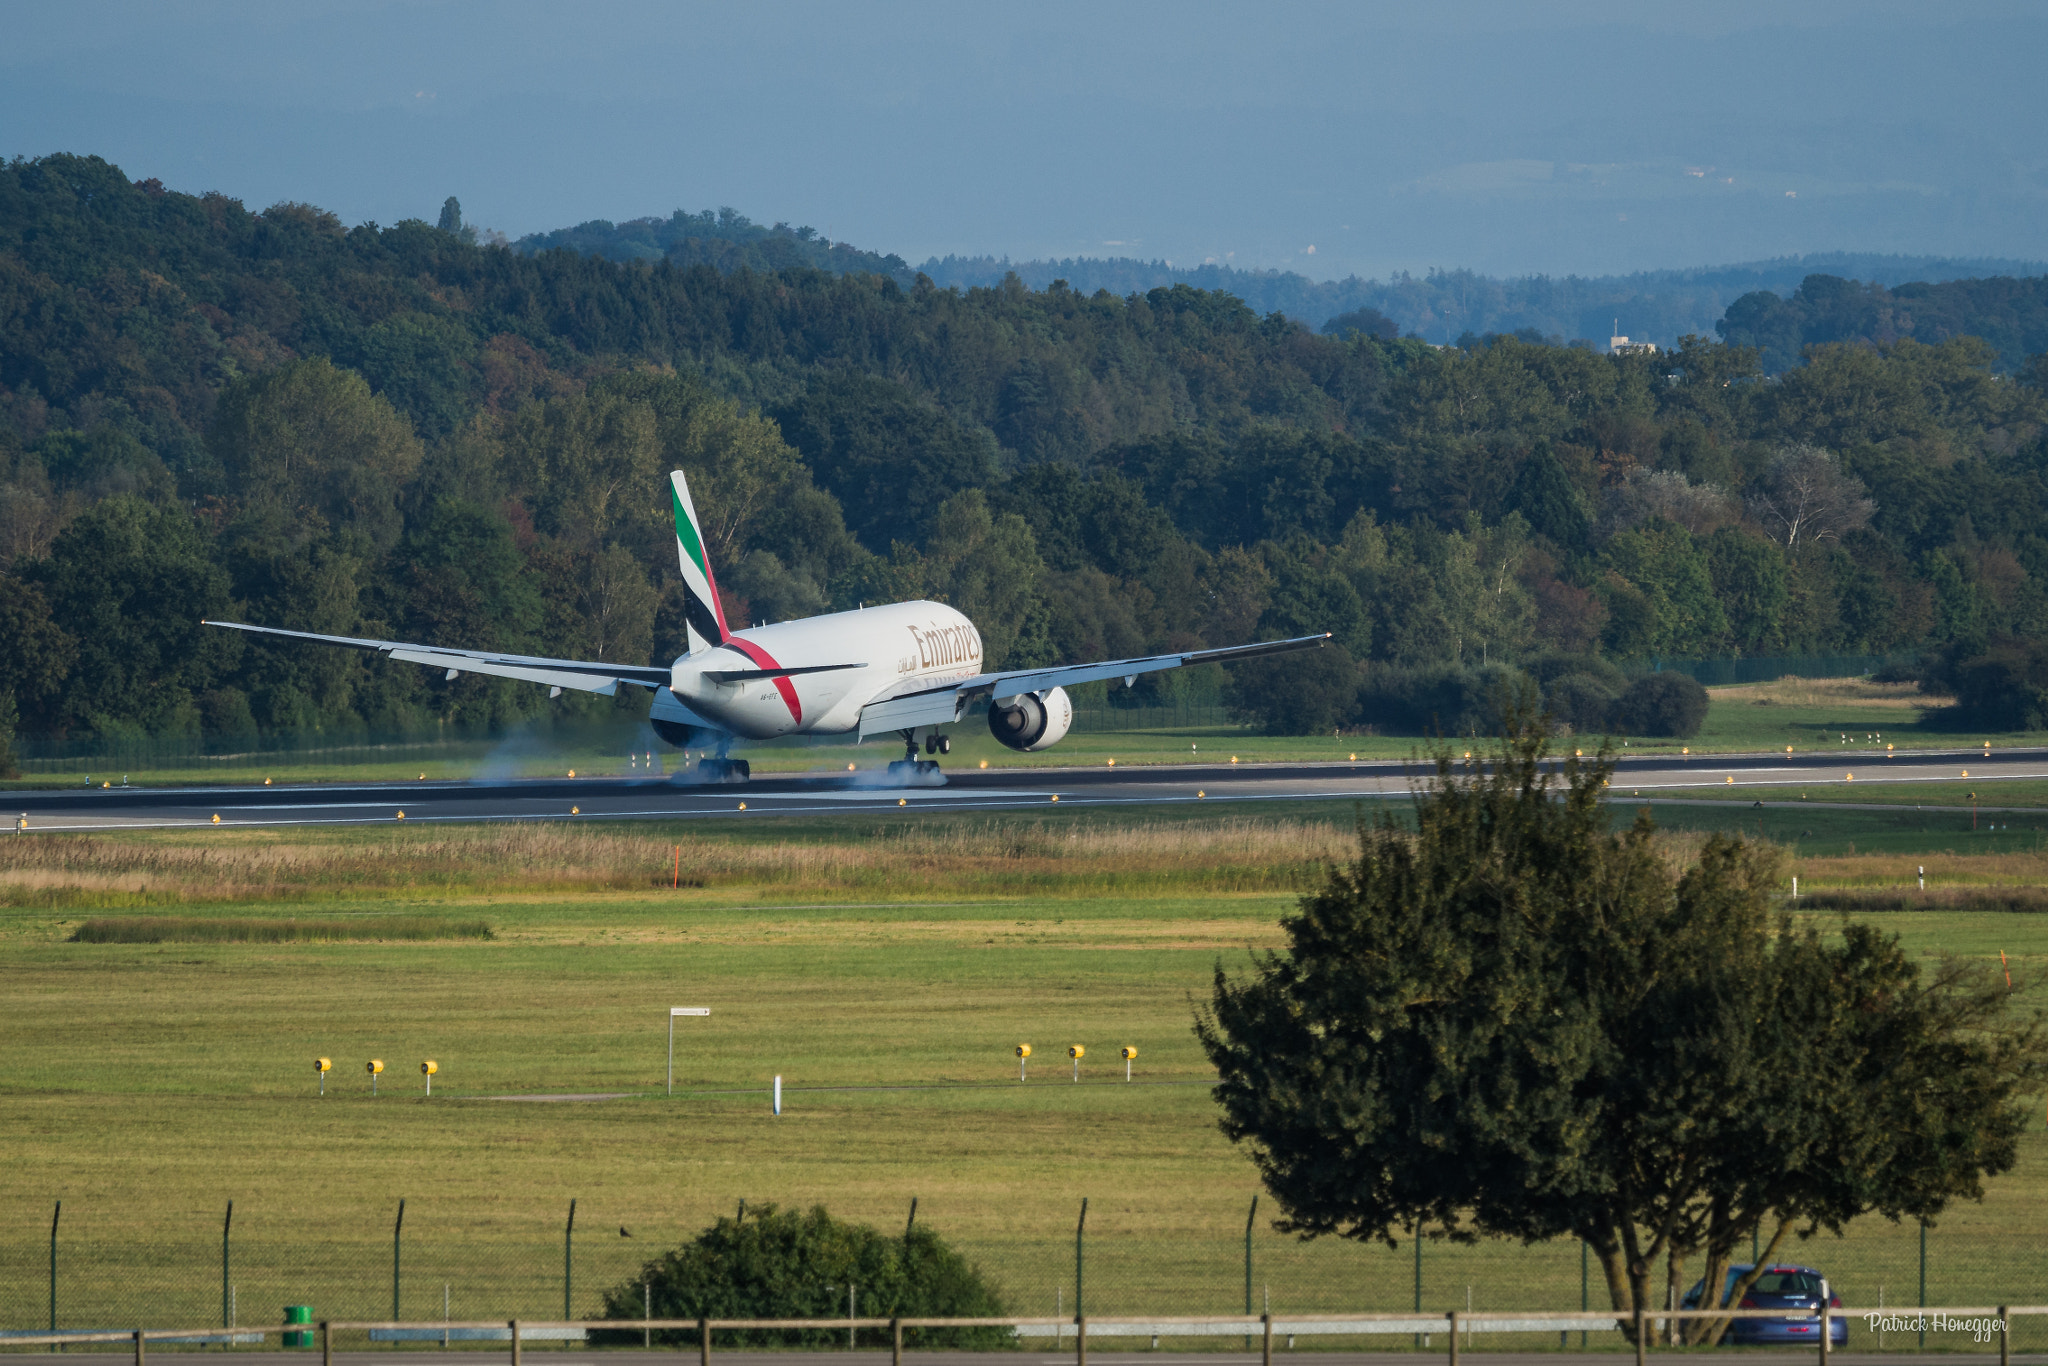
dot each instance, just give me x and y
(1840, 775)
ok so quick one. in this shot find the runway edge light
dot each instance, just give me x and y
(374, 1067)
(1128, 1053)
(427, 1070)
(323, 1066)
(1077, 1052)
(1023, 1058)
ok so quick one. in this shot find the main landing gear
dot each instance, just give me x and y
(912, 767)
(724, 769)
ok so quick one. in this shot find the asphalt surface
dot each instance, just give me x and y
(1829, 777)
(548, 1354)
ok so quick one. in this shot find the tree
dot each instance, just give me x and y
(129, 584)
(35, 654)
(311, 440)
(451, 215)
(780, 1264)
(1806, 497)
(988, 568)
(1666, 704)
(1510, 1022)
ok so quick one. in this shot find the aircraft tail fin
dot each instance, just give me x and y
(701, 608)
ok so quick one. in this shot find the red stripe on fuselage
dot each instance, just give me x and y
(762, 659)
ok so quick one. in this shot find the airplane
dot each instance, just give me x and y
(912, 668)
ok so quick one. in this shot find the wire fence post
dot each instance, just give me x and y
(1642, 1333)
(327, 1342)
(55, 1215)
(704, 1342)
(397, 1228)
(1453, 1316)
(1249, 1217)
(1080, 1232)
(1923, 1285)
(1418, 1276)
(227, 1316)
(569, 1262)
(514, 1325)
(1585, 1265)
(1266, 1350)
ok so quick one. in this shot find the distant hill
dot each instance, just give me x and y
(1444, 305)
(725, 238)
(1659, 306)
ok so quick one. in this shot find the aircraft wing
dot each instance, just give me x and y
(946, 703)
(582, 675)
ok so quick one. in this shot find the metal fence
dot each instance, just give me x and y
(89, 1268)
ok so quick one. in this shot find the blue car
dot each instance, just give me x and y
(1793, 1288)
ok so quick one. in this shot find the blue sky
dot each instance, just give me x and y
(1510, 138)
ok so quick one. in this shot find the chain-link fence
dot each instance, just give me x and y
(86, 1267)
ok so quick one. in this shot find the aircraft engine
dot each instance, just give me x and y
(1029, 722)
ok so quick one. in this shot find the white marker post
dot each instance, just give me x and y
(778, 1095)
(674, 1011)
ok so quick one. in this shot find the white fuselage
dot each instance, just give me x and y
(901, 648)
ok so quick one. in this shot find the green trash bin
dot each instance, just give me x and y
(298, 1313)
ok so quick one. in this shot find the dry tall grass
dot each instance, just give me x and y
(91, 871)
(1830, 692)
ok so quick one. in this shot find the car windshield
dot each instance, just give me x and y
(1777, 1281)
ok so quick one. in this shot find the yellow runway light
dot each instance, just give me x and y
(216, 818)
(427, 1070)
(376, 1069)
(1076, 1052)
(323, 1066)
(1023, 1058)
(1128, 1053)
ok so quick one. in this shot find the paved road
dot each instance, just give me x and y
(1839, 775)
(548, 1355)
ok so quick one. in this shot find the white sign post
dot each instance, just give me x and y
(674, 1011)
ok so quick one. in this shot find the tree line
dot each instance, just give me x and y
(208, 411)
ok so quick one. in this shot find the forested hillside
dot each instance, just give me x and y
(2010, 307)
(208, 411)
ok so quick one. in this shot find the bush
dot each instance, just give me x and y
(1441, 701)
(1663, 704)
(2003, 686)
(769, 1263)
(1582, 701)
(1308, 692)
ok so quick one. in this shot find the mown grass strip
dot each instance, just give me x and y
(191, 929)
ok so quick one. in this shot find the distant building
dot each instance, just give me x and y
(1619, 345)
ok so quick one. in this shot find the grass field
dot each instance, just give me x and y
(146, 1085)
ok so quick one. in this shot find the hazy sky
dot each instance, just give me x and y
(1328, 138)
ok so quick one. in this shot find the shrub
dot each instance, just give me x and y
(2004, 686)
(1664, 704)
(1441, 701)
(1308, 692)
(770, 1263)
(1581, 701)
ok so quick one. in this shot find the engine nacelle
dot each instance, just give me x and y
(1029, 722)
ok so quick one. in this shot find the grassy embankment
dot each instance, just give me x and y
(146, 1084)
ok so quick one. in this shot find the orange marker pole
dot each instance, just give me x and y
(2008, 969)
